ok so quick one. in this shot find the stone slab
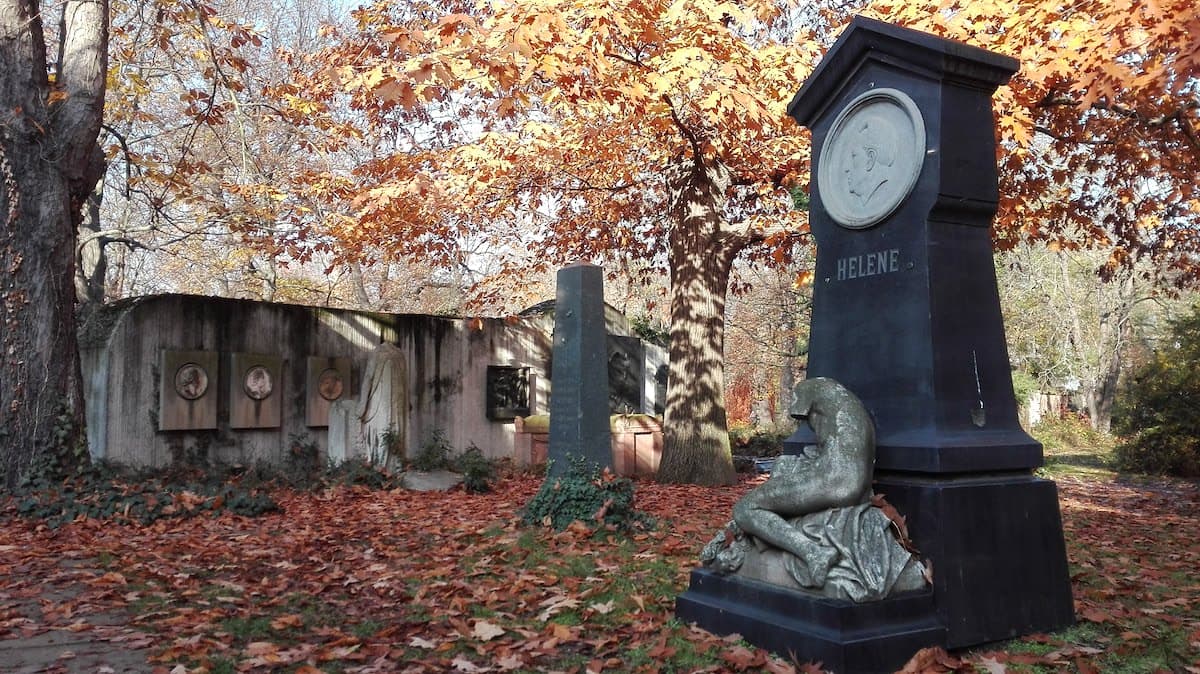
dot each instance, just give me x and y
(434, 480)
(579, 417)
(845, 637)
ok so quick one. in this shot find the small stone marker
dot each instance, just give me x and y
(579, 415)
(435, 480)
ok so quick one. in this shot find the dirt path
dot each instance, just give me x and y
(65, 652)
(38, 636)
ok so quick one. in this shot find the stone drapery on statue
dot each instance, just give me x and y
(813, 525)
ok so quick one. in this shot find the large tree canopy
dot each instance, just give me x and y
(1100, 130)
(556, 130)
(566, 129)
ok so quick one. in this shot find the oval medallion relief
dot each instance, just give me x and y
(871, 158)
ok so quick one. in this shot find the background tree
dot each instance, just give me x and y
(186, 124)
(563, 130)
(1157, 413)
(49, 164)
(767, 344)
(1073, 330)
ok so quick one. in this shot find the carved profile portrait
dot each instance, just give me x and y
(872, 154)
(871, 158)
(257, 383)
(191, 381)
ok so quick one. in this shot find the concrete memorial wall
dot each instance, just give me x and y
(172, 377)
(180, 377)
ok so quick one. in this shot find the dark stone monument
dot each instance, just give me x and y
(507, 392)
(906, 314)
(579, 417)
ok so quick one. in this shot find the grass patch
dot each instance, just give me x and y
(366, 629)
(222, 666)
(580, 566)
(248, 629)
(1072, 448)
(1159, 653)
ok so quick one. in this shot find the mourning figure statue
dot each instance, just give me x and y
(813, 524)
(836, 474)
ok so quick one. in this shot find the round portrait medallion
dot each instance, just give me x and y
(191, 381)
(871, 158)
(257, 382)
(329, 385)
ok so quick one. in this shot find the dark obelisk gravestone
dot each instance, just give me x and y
(579, 417)
(906, 314)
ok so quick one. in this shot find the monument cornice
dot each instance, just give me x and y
(926, 55)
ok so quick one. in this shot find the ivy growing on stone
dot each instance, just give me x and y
(587, 494)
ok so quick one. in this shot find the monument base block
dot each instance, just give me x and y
(845, 637)
(996, 543)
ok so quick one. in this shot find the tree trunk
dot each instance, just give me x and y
(1116, 329)
(50, 162)
(91, 261)
(695, 433)
(359, 284)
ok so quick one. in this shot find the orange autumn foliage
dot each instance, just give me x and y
(1100, 130)
(550, 131)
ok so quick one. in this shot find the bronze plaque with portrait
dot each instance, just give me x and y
(328, 381)
(187, 395)
(255, 390)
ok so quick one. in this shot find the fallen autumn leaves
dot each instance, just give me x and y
(353, 580)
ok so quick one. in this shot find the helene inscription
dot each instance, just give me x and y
(868, 264)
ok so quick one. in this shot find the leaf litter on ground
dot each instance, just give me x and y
(354, 580)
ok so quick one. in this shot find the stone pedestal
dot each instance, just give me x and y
(999, 561)
(531, 440)
(636, 445)
(845, 637)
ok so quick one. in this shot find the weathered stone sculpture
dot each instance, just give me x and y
(812, 525)
(373, 427)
